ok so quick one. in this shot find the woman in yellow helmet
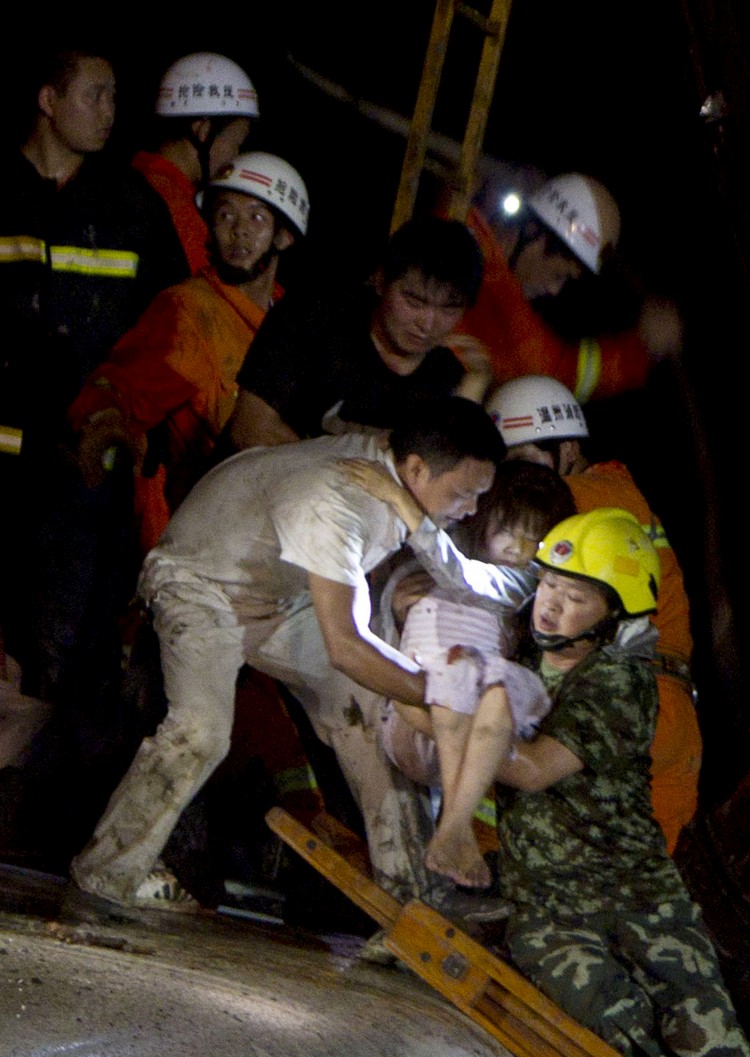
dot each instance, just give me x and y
(601, 919)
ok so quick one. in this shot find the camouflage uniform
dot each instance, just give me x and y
(603, 923)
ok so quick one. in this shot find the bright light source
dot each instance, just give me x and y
(511, 204)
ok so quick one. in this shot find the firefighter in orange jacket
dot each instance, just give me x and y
(569, 227)
(175, 370)
(540, 420)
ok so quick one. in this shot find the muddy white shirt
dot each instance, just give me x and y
(256, 525)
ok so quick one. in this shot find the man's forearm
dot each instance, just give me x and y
(538, 764)
(343, 614)
(377, 666)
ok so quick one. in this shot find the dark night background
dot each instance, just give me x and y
(611, 89)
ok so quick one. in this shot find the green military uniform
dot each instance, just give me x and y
(603, 922)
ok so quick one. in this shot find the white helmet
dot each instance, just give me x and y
(206, 85)
(270, 179)
(534, 408)
(581, 212)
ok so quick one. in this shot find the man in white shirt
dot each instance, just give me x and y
(265, 563)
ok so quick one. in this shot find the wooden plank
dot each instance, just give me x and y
(485, 987)
(416, 144)
(478, 983)
(374, 900)
(484, 89)
(342, 840)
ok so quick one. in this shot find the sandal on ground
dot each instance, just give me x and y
(162, 891)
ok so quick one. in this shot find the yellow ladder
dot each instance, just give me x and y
(493, 26)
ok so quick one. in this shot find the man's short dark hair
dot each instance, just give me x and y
(58, 66)
(442, 250)
(444, 432)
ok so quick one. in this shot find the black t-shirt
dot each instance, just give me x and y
(310, 356)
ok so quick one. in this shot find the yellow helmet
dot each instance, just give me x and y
(606, 546)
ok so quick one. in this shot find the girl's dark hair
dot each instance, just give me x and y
(523, 494)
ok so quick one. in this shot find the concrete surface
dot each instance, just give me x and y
(75, 981)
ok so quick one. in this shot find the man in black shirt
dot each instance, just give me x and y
(320, 365)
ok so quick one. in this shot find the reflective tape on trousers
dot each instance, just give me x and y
(14, 248)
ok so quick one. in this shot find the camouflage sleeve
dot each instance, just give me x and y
(605, 712)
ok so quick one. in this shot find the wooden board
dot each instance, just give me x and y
(481, 985)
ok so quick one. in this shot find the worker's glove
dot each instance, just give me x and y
(104, 439)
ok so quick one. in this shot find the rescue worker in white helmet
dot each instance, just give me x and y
(204, 109)
(566, 228)
(540, 420)
(573, 223)
(174, 372)
(536, 415)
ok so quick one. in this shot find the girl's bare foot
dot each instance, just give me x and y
(457, 856)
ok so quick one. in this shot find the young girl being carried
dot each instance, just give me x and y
(477, 703)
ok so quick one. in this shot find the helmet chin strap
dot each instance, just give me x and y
(237, 276)
(203, 150)
(554, 643)
(526, 234)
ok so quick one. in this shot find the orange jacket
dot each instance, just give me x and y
(611, 484)
(177, 367)
(179, 194)
(677, 746)
(521, 343)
